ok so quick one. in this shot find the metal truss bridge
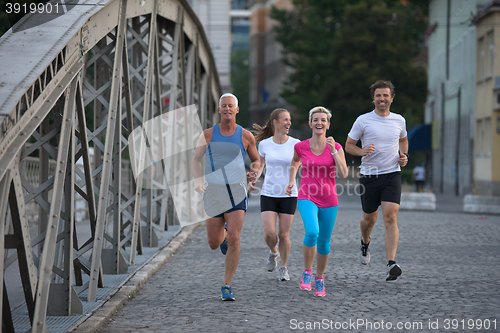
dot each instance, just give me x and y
(73, 86)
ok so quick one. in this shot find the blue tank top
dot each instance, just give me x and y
(225, 158)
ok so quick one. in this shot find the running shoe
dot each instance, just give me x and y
(305, 283)
(319, 288)
(364, 253)
(226, 293)
(284, 274)
(393, 271)
(223, 245)
(272, 261)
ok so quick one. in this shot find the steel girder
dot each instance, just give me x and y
(127, 62)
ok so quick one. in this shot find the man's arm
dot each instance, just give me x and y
(253, 154)
(351, 148)
(196, 163)
(403, 151)
(251, 186)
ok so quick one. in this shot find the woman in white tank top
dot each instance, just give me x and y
(276, 152)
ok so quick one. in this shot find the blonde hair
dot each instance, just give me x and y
(319, 109)
(267, 131)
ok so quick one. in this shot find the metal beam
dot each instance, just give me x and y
(146, 112)
(161, 31)
(107, 163)
(45, 268)
(4, 193)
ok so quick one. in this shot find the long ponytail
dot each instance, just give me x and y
(263, 132)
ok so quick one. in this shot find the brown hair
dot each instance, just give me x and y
(382, 84)
(267, 131)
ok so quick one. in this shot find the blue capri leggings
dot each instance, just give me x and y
(318, 223)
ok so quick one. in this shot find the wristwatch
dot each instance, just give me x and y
(407, 156)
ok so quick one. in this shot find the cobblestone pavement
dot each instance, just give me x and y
(450, 263)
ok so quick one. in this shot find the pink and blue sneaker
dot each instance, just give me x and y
(319, 288)
(305, 283)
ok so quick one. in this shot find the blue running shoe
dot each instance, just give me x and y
(223, 245)
(227, 293)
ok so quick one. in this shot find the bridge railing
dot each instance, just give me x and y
(83, 79)
(30, 172)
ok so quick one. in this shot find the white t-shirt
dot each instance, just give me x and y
(278, 158)
(419, 173)
(384, 133)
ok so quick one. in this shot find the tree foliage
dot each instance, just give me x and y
(240, 80)
(337, 49)
(8, 20)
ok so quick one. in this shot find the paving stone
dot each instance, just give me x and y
(450, 271)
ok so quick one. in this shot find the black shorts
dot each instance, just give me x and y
(220, 199)
(278, 205)
(378, 188)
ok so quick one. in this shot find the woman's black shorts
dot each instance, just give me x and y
(278, 205)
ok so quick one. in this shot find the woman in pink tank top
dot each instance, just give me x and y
(317, 200)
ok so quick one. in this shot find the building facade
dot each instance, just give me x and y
(451, 100)
(215, 17)
(240, 25)
(487, 116)
(267, 72)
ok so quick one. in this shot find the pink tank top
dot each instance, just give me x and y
(318, 175)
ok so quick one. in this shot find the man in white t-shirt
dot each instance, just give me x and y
(418, 176)
(384, 149)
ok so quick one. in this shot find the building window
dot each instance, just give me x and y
(239, 4)
(487, 130)
(240, 29)
(491, 51)
(480, 137)
(481, 55)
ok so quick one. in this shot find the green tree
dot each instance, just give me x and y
(240, 80)
(8, 20)
(337, 49)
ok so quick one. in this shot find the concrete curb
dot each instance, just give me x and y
(482, 204)
(418, 201)
(115, 301)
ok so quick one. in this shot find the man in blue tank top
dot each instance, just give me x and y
(224, 194)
